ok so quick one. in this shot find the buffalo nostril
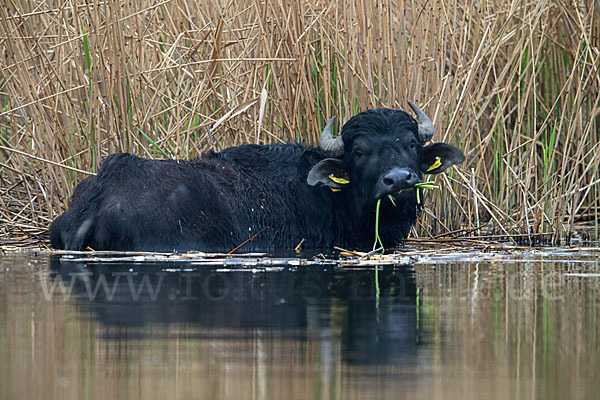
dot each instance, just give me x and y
(388, 181)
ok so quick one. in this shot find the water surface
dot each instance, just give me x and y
(524, 328)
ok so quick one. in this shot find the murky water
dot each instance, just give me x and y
(517, 329)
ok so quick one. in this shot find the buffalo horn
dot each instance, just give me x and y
(425, 124)
(333, 147)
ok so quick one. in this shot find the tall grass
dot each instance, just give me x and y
(513, 84)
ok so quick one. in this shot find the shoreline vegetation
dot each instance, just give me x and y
(514, 85)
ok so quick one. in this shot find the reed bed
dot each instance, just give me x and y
(514, 84)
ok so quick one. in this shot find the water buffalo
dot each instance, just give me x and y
(279, 194)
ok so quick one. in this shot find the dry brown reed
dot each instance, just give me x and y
(514, 84)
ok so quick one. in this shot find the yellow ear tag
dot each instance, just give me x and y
(435, 165)
(335, 190)
(341, 181)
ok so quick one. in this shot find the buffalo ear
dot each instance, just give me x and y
(439, 156)
(329, 172)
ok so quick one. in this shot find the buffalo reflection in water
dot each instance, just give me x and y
(138, 300)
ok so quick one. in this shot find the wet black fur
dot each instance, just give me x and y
(219, 201)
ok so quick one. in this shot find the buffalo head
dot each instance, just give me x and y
(379, 153)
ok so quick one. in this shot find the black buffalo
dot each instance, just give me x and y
(278, 195)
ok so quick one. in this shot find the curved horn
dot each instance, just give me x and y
(425, 124)
(334, 147)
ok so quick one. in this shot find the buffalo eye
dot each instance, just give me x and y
(412, 145)
(358, 153)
